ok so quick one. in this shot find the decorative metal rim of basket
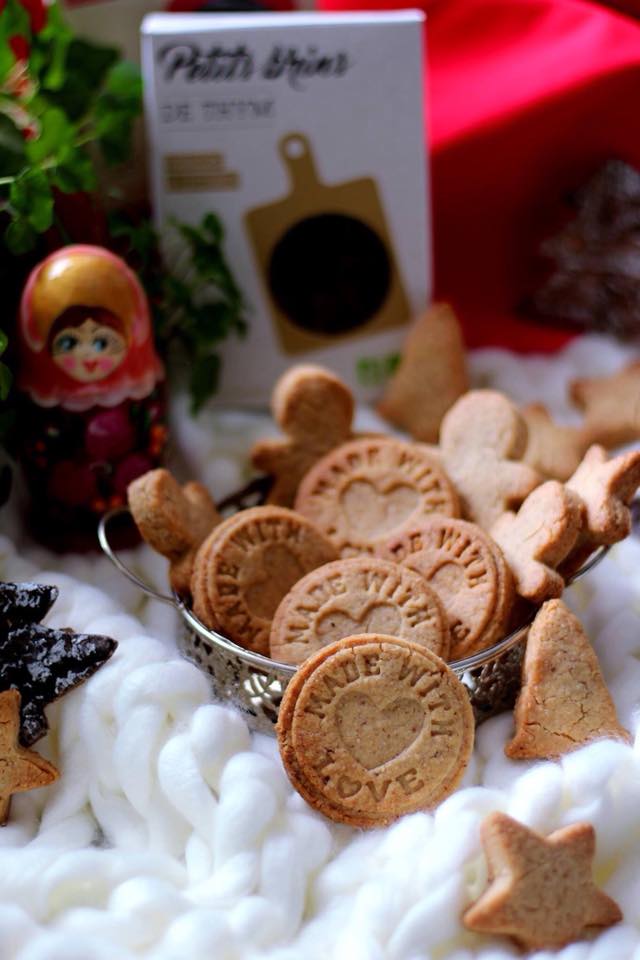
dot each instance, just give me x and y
(285, 671)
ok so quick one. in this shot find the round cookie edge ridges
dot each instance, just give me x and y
(328, 465)
(496, 619)
(286, 721)
(262, 514)
(353, 565)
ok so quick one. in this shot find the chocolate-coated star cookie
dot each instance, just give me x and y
(40, 662)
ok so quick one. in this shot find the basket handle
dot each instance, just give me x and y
(103, 538)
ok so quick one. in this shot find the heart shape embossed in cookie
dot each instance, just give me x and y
(375, 735)
(372, 512)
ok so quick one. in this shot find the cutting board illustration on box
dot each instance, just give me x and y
(325, 256)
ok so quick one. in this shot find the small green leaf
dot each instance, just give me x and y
(212, 225)
(55, 133)
(124, 82)
(86, 66)
(20, 237)
(12, 148)
(74, 171)
(30, 195)
(203, 383)
(58, 36)
(4, 341)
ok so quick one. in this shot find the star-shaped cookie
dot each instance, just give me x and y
(20, 769)
(541, 890)
(42, 663)
(553, 450)
(611, 406)
(25, 602)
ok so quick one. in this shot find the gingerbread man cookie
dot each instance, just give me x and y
(537, 539)
(611, 406)
(483, 438)
(553, 450)
(314, 409)
(541, 891)
(363, 492)
(360, 595)
(373, 727)
(431, 376)
(564, 702)
(173, 520)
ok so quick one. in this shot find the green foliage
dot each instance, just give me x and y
(67, 100)
(71, 94)
(199, 311)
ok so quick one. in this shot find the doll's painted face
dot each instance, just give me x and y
(87, 343)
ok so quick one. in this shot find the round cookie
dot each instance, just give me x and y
(373, 727)
(360, 595)
(201, 604)
(243, 572)
(370, 489)
(468, 572)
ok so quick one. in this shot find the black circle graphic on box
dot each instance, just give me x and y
(329, 273)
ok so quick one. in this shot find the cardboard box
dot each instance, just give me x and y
(304, 133)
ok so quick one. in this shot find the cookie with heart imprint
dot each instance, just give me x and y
(467, 570)
(358, 595)
(373, 727)
(243, 572)
(369, 489)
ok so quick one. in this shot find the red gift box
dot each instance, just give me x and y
(526, 100)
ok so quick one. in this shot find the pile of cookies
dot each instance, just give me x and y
(441, 546)
(373, 564)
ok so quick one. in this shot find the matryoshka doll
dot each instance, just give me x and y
(91, 412)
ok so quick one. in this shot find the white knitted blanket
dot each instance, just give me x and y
(174, 835)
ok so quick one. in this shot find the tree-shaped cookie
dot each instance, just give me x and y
(552, 449)
(20, 769)
(537, 538)
(314, 409)
(173, 520)
(564, 702)
(611, 406)
(431, 376)
(606, 487)
(482, 440)
(541, 891)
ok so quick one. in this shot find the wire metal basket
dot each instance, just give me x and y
(255, 683)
